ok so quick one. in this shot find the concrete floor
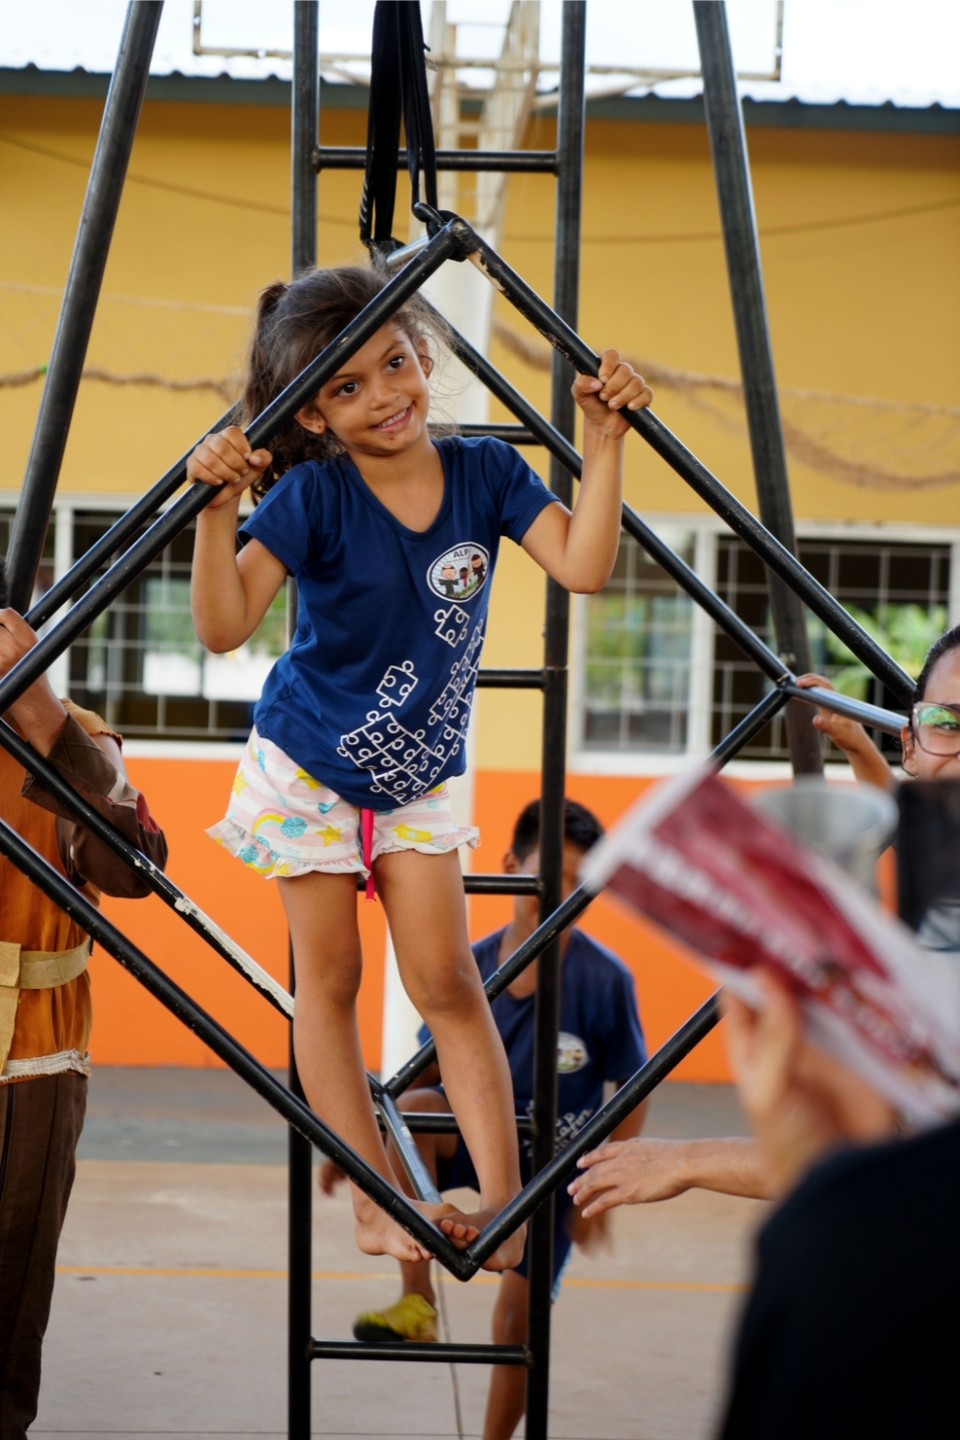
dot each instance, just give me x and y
(169, 1313)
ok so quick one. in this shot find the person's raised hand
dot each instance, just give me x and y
(628, 1172)
(846, 734)
(801, 1103)
(850, 737)
(618, 388)
(226, 459)
(38, 712)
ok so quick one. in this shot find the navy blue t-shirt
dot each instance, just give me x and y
(600, 1033)
(373, 697)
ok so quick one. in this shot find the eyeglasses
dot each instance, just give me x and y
(936, 728)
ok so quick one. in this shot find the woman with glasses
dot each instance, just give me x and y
(931, 737)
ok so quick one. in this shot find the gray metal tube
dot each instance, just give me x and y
(731, 169)
(100, 205)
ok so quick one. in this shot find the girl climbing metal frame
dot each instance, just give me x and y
(455, 241)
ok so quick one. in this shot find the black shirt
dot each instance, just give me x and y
(853, 1325)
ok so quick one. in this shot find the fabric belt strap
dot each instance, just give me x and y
(32, 970)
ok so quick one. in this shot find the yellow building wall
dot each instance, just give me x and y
(869, 308)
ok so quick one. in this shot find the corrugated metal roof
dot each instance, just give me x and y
(862, 52)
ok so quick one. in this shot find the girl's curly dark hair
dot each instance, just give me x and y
(294, 323)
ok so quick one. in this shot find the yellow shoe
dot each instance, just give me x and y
(411, 1318)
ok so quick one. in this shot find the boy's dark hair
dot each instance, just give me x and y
(947, 642)
(294, 323)
(580, 826)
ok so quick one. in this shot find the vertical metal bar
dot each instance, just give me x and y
(299, 1263)
(570, 122)
(305, 104)
(101, 202)
(731, 168)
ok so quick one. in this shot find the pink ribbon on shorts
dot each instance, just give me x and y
(366, 841)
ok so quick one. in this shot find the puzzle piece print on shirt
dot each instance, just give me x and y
(462, 676)
(452, 624)
(397, 684)
(401, 763)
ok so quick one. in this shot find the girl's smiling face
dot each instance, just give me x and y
(943, 688)
(378, 403)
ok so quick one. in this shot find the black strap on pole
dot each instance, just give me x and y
(398, 88)
(104, 189)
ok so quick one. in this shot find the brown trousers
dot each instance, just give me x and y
(40, 1124)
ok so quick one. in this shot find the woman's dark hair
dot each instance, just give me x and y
(949, 641)
(580, 826)
(294, 323)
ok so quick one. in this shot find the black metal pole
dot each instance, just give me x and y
(731, 168)
(100, 205)
(446, 243)
(117, 536)
(304, 117)
(60, 890)
(566, 294)
(607, 1118)
(151, 874)
(299, 1260)
(502, 162)
(661, 439)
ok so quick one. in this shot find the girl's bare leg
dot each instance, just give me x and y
(423, 898)
(322, 915)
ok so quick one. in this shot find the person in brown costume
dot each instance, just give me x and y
(45, 1004)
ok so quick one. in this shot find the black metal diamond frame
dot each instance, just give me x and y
(412, 266)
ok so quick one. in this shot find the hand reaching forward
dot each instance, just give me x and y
(619, 387)
(629, 1172)
(226, 459)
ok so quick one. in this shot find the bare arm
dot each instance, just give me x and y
(38, 712)
(229, 593)
(638, 1172)
(590, 1228)
(865, 759)
(93, 766)
(579, 550)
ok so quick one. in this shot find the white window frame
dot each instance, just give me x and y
(65, 506)
(707, 530)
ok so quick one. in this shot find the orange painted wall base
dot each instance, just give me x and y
(131, 1028)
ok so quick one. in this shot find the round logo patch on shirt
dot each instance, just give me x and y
(459, 573)
(572, 1053)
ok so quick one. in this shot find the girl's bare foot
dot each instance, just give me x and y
(377, 1234)
(462, 1230)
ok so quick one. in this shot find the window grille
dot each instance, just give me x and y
(141, 666)
(637, 648)
(898, 591)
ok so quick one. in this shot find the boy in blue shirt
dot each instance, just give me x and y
(600, 1040)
